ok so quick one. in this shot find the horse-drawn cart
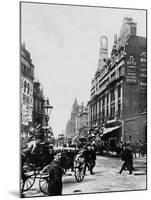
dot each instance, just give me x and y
(36, 166)
(71, 159)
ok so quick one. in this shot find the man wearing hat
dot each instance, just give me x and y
(55, 176)
(89, 159)
(127, 157)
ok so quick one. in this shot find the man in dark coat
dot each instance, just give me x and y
(90, 157)
(55, 176)
(127, 157)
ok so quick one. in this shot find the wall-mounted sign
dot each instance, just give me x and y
(26, 100)
(131, 76)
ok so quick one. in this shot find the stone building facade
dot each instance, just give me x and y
(26, 91)
(118, 100)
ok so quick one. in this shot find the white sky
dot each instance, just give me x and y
(64, 46)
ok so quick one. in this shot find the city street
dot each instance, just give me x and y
(105, 179)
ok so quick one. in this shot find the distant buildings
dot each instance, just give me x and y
(119, 88)
(78, 120)
(71, 124)
(82, 119)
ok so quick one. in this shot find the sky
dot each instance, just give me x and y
(64, 43)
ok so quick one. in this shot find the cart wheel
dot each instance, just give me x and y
(79, 170)
(43, 181)
(28, 177)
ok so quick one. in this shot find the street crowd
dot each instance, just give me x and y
(89, 150)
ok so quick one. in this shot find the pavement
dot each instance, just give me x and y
(105, 179)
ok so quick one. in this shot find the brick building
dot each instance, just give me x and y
(118, 100)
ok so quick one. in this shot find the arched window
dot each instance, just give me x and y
(25, 86)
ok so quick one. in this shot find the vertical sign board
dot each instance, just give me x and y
(26, 100)
(131, 76)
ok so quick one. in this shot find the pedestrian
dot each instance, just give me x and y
(127, 157)
(55, 176)
(89, 157)
(140, 148)
(93, 157)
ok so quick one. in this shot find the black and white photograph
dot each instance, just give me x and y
(83, 99)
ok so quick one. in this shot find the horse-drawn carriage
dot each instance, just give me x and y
(36, 165)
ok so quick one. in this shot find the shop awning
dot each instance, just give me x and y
(109, 130)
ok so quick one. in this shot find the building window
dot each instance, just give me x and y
(25, 86)
(112, 111)
(119, 108)
(103, 115)
(103, 101)
(107, 112)
(28, 88)
(24, 68)
(119, 91)
(112, 95)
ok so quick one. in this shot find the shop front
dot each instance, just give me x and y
(111, 137)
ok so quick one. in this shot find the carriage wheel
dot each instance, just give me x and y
(28, 177)
(79, 171)
(43, 181)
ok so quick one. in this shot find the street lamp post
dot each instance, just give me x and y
(47, 110)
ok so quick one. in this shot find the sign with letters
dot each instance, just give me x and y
(131, 76)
